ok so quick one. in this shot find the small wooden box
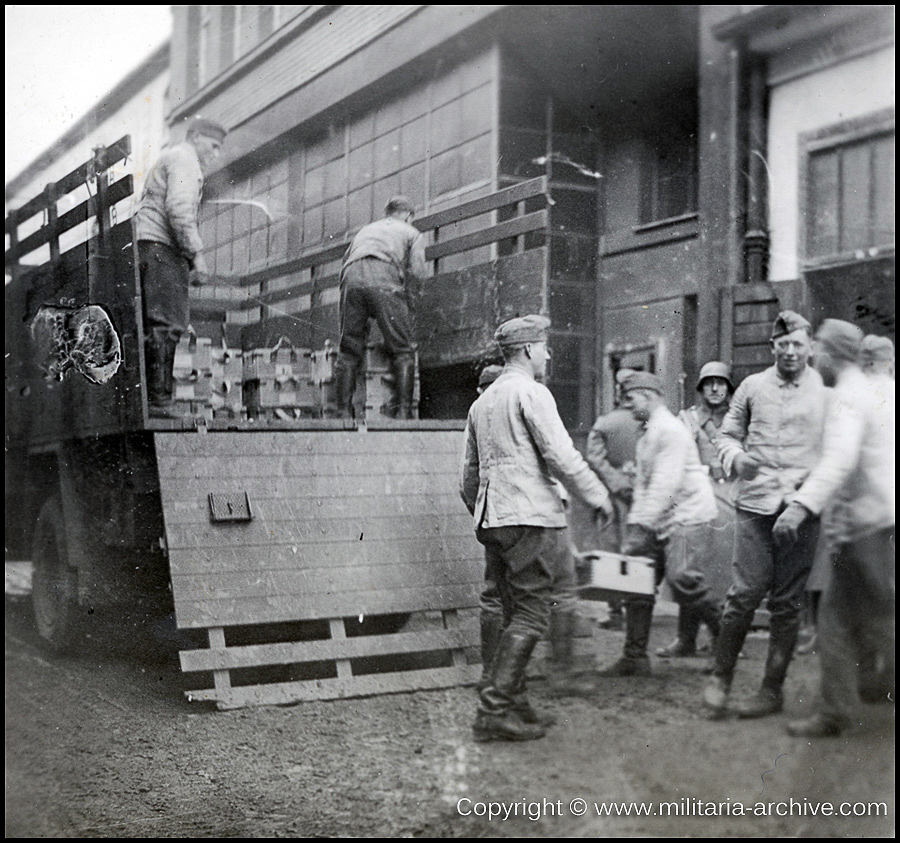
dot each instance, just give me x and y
(602, 574)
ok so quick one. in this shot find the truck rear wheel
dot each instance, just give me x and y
(54, 593)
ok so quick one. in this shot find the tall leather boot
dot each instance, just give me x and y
(491, 631)
(686, 643)
(346, 371)
(635, 661)
(497, 719)
(159, 362)
(769, 698)
(732, 633)
(404, 366)
(561, 667)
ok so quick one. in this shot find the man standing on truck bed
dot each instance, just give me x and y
(170, 252)
(380, 263)
(516, 445)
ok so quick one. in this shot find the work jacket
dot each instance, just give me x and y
(671, 485)
(515, 444)
(170, 202)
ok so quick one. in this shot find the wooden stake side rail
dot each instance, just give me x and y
(345, 525)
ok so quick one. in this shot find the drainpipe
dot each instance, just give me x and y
(756, 234)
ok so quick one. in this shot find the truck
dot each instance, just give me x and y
(310, 557)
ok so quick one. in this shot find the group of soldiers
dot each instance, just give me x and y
(747, 474)
(741, 481)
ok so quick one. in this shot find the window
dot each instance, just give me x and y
(669, 178)
(850, 196)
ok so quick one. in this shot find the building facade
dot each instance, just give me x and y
(706, 166)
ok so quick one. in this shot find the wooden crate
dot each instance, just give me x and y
(343, 524)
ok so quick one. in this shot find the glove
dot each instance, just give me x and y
(786, 528)
(638, 541)
(603, 515)
(746, 467)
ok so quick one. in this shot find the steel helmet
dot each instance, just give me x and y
(715, 369)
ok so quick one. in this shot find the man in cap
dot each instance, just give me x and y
(611, 452)
(704, 419)
(855, 478)
(563, 600)
(515, 445)
(673, 504)
(170, 252)
(770, 439)
(877, 356)
(382, 262)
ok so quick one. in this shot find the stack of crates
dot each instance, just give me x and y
(227, 383)
(193, 376)
(207, 378)
(374, 393)
(322, 377)
(277, 382)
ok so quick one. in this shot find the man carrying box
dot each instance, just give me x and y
(671, 510)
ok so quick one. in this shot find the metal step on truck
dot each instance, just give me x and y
(313, 557)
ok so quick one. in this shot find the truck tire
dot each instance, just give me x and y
(54, 590)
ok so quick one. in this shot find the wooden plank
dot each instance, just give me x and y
(185, 489)
(746, 313)
(338, 647)
(366, 506)
(311, 465)
(283, 693)
(348, 530)
(754, 293)
(757, 333)
(502, 231)
(221, 678)
(753, 356)
(338, 633)
(476, 207)
(112, 154)
(249, 585)
(332, 253)
(202, 614)
(335, 442)
(79, 214)
(451, 550)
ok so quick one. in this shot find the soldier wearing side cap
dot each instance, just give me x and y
(770, 439)
(852, 485)
(704, 419)
(170, 252)
(516, 447)
(672, 507)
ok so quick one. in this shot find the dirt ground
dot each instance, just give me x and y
(105, 744)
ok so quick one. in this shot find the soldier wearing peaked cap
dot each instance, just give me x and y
(516, 448)
(770, 439)
(170, 251)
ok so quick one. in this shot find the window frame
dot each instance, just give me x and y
(832, 137)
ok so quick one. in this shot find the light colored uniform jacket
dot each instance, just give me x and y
(392, 241)
(779, 423)
(170, 203)
(856, 470)
(515, 445)
(671, 485)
